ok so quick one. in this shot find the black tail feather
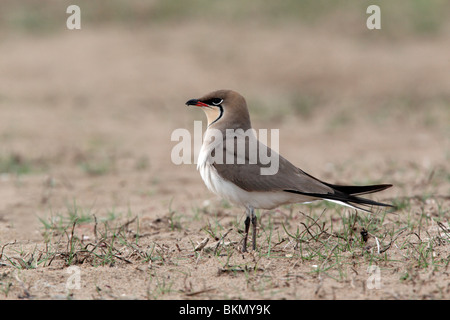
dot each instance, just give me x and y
(359, 190)
(346, 194)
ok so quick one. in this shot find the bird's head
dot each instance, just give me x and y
(224, 109)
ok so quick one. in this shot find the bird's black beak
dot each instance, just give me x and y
(192, 102)
(196, 102)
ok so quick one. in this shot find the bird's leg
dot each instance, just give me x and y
(247, 226)
(251, 217)
(254, 229)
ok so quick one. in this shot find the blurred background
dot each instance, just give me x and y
(87, 114)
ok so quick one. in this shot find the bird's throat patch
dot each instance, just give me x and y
(213, 114)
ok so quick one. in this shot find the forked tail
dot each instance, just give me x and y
(347, 195)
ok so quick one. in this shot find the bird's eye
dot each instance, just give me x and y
(216, 101)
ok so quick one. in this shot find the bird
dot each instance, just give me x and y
(240, 180)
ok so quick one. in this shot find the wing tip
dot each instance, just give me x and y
(359, 190)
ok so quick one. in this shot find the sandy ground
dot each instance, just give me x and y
(89, 115)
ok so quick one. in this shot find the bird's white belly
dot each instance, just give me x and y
(238, 196)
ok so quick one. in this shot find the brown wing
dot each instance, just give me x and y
(248, 176)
